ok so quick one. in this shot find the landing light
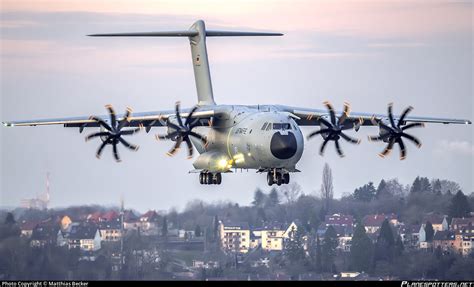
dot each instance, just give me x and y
(222, 163)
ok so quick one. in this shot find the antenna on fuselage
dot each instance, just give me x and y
(197, 34)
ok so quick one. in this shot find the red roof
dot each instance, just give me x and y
(462, 222)
(110, 215)
(377, 219)
(30, 225)
(150, 215)
(434, 218)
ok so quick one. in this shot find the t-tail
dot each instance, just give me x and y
(197, 34)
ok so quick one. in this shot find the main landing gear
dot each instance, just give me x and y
(277, 177)
(210, 178)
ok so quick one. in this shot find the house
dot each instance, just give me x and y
(43, 235)
(410, 235)
(462, 223)
(27, 227)
(339, 220)
(344, 236)
(110, 230)
(234, 236)
(373, 222)
(445, 240)
(84, 237)
(130, 220)
(467, 243)
(65, 222)
(270, 236)
(148, 223)
(439, 222)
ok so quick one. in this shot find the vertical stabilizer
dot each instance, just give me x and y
(202, 73)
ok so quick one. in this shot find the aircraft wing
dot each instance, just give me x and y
(311, 117)
(146, 119)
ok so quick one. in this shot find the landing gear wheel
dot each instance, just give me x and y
(208, 178)
(278, 179)
(286, 178)
(201, 178)
(269, 179)
(218, 178)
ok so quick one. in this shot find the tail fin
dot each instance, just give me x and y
(197, 37)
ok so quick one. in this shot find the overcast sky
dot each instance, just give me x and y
(368, 53)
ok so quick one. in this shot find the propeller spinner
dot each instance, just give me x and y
(393, 132)
(332, 129)
(112, 134)
(181, 132)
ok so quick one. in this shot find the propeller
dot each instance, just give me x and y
(112, 134)
(332, 128)
(393, 132)
(181, 132)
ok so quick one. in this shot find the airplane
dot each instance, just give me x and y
(265, 138)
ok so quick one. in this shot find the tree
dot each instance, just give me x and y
(273, 198)
(327, 188)
(215, 228)
(294, 246)
(10, 219)
(361, 249)
(416, 186)
(459, 205)
(292, 192)
(197, 231)
(381, 189)
(259, 198)
(437, 187)
(429, 231)
(329, 249)
(164, 228)
(365, 193)
(385, 243)
(425, 185)
(319, 264)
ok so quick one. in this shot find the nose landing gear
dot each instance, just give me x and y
(210, 178)
(277, 177)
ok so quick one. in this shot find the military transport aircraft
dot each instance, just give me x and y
(266, 138)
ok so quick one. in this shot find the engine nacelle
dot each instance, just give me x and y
(213, 161)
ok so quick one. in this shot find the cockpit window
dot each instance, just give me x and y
(281, 126)
(269, 126)
(264, 126)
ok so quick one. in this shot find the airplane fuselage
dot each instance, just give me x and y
(250, 138)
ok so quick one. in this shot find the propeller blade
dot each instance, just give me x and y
(149, 126)
(331, 112)
(375, 138)
(115, 151)
(388, 149)
(175, 147)
(326, 122)
(126, 119)
(349, 138)
(404, 114)
(390, 114)
(128, 145)
(173, 126)
(318, 132)
(415, 140)
(178, 115)
(345, 113)
(338, 148)
(323, 146)
(190, 147)
(196, 135)
(403, 152)
(98, 134)
(113, 119)
(374, 121)
(190, 115)
(101, 122)
(101, 148)
(413, 125)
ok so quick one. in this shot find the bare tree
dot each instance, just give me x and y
(292, 192)
(327, 189)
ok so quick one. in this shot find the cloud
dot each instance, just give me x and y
(447, 147)
(396, 45)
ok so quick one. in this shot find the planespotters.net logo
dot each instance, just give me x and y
(436, 284)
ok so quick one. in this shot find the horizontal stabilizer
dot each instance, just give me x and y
(211, 33)
(185, 33)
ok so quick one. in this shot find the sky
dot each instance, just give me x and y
(369, 53)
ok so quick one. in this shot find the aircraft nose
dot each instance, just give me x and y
(283, 146)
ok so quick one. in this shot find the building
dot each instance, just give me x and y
(83, 237)
(445, 240)
(373, 222)
(43, 234)
(148, 223)
(462, 223)
(410, 235)
(110, 230)
(339, 220)
(344, 235)
(27, 228)
(234, 236)
(272, 236)
(438, 221)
